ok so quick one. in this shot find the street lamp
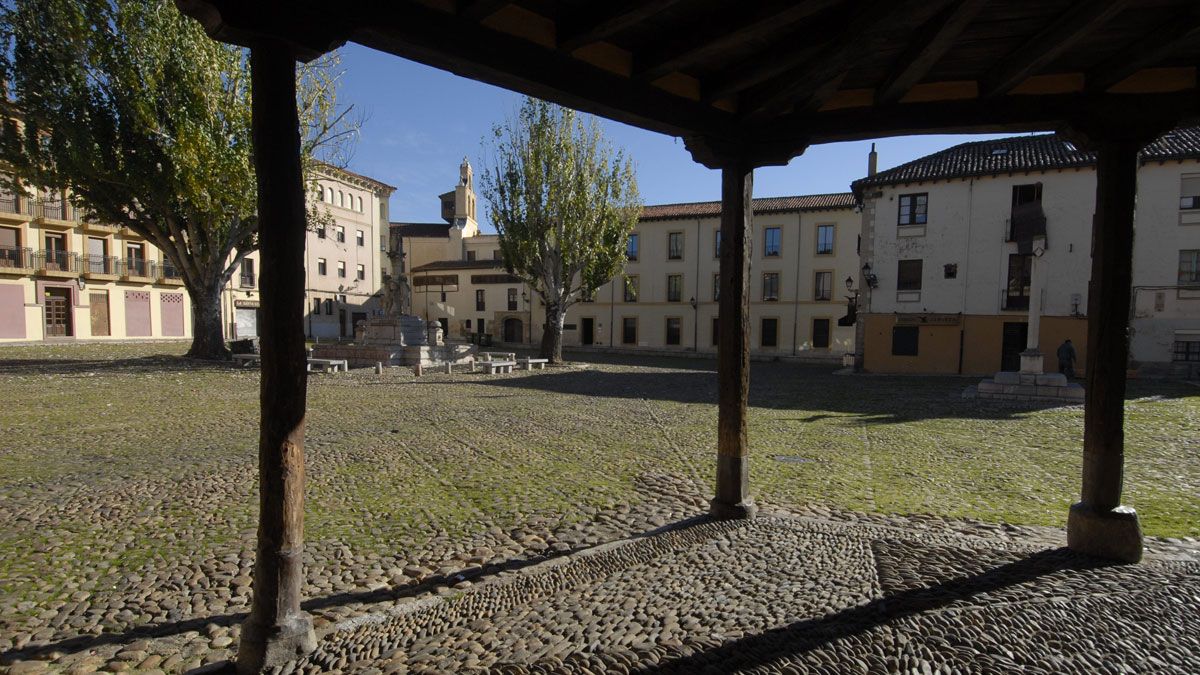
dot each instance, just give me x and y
(871, 279)
(695, 325)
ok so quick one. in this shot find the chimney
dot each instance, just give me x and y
(872, 161)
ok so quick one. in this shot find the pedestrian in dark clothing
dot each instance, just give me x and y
(1066, 359)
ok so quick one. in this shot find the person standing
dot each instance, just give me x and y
(1066, 359)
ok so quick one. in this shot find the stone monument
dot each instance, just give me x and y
(1031, 383)
(396, 337)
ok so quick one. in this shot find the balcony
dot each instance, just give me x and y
(247, 280)
(1028, 222)
(168, 274)
(13, 209)
(1015, 303)
(17, 261)
(137, 269)
(54, 215)
(56, 264)
(100, 267)
(92, 227)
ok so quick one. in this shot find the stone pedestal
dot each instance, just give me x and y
(404, 340)
(1009, 386)
(1031, 362)
(404, 330)
(1114, 535)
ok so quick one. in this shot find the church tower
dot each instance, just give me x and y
(458, 206)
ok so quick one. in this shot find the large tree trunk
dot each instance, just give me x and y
(552, 333)
(208, 339)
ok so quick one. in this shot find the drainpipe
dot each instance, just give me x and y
(966, 272)
(796, 299)
(696, 295)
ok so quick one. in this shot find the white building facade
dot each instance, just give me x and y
(961, 244)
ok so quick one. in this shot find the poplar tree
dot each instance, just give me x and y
(145, 121)
(563, 203)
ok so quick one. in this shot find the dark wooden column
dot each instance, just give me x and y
(277, 630)
(733, 349)
(1098, 524)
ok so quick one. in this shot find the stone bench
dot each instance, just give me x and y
(530, 364)
(496, 356)
(494, 367)
(245, 360)
(328, 365)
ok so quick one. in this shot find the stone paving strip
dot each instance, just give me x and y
(788, 595)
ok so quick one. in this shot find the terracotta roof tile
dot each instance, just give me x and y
(837, 200)
(1022, 153)
(460, 265)
(431, 230)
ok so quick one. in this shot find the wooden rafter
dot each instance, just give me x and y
(789, 52)
(760, 25)
(577, 33)
(1037, 52)
(414, 31)
(932, 42)
(808, 86)
(1146, 51)
(478, 10)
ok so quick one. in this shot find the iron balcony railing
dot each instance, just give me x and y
(10, 203)
(15, 257)
(137, 267)
(56, 261)
(56, 209)
(167, 270)
(99, 264)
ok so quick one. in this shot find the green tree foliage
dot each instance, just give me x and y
(129, 107)
(564, 204)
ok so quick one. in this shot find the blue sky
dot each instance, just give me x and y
(420, 122)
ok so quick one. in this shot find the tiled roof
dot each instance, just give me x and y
(460, 265)
(334, 170)
(837, 200)
(439, 230)
(1022, 153)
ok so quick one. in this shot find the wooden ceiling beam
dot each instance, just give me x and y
(1037, 52)
(752, 26)
(478, 10)
(793, 50)
(813, 83)
(1008, 114)
(579, 32)
(1147, 51)
(443, 40)
(931, 43)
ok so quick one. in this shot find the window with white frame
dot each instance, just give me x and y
(1189, 192)
(914, 208)
(1189, 267)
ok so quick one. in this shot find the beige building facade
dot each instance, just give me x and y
(64, 278)
(805, 250)
(962, 244)
(345, 259)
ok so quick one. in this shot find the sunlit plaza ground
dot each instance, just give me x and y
(128, 497)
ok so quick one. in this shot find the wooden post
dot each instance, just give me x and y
(733, 349)
(1098, 524)
(277, 630)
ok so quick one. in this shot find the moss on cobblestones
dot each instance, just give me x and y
(117, 456)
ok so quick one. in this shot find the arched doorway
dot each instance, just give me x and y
(513, 330)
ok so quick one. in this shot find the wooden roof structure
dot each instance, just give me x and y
(746, 84)
(773, 77)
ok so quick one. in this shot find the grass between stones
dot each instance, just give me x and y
(115, 457)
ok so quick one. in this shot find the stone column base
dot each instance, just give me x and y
(743, 510)
(262, 648)
(1115, 534)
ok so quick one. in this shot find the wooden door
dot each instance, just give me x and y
(589, 330)
(58, 312)
(1012, 344)
(100, 321)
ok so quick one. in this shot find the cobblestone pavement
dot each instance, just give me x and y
(127, 482)
(787, 595)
